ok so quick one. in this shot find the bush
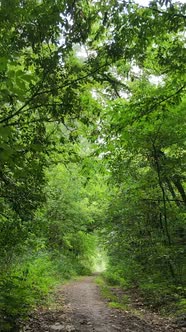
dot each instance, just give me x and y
(27, 283)
(22, 287)
(163, 297)
(63, 267)
(114, 278)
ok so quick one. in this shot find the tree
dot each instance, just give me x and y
(144, 146)
(118, 103)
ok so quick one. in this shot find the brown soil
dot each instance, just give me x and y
(80, 308)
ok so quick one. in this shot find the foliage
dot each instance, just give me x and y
(91, 144)
(71, 214)
(107, 291)
(23, 287)
(142, 137)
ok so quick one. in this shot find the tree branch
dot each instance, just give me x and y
(38, 93)
(150, 110)
(169, 14)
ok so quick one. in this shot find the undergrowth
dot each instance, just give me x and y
(156, 297)
(29, 282)
(108, 294)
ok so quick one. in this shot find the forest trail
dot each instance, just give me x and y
(80, 308)
(87, 310)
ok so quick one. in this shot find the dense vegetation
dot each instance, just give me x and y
(92, 147)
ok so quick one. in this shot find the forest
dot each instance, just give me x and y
(92, 148)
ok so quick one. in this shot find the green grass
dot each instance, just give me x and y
(107, 293)
(118, 305)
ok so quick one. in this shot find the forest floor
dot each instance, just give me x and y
(79, 307)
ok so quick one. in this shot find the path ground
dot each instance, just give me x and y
(80, 308)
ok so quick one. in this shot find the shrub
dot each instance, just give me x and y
(23, 287)
(115, 278)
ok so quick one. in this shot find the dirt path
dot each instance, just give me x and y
(80, 308)
(87, 310)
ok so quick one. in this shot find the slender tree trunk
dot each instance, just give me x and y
(158, 168)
